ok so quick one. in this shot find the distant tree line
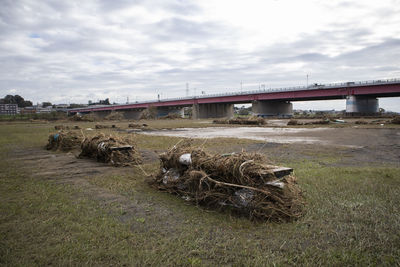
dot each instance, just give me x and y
(101, 102)
(16, 99)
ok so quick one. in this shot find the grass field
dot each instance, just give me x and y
(353, 214)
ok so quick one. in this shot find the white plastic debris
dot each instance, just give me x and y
(101, 146)
(170, 175)
(186, 198)
(276, 183)
(185, 159)
(243, 197)
(89, 129)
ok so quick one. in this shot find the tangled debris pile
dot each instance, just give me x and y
(61, 127)
(294, 122)
(396, 120)
(115, 116)
(86, 117)
(171, 116)
(117, 151)
(64, 141)
(243, 183)
(243, 121)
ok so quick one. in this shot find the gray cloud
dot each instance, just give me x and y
(70, 51)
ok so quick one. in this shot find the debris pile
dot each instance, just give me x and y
(171, 116)
(396, 120)
(137, 125)
(294, 122)
(86, 117)
(149, 113)
(361, 122)
(61, 127)
(243, 121)
(103, 126)
(243, 183)
(115, 116)
(64, 141)
(325, 121)
(117, 151)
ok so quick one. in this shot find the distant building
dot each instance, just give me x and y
(36, 109)
(28, 110)
(61, 107)
(9, 109)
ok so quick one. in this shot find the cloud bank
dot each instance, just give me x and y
(75, 51)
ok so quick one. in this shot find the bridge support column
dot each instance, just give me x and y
(204, 111)
(272, 108)
(133, 114)
(164, 111)
(362, 105)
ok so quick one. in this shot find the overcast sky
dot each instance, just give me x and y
(75, 51)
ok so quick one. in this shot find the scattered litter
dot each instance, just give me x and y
(64, 141)
(244, 183)
(89, 129)
(117, 151)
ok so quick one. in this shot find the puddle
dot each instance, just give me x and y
(277, 122)
(273, 135)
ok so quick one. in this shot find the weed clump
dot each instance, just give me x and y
(244, 183)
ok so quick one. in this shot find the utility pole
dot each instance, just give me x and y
(307, 80)
(187, 89)
(241, 86)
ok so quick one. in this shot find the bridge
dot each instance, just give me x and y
(361, 97)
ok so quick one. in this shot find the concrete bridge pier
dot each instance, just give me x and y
(164, 111)
(362, 104)
(272, 108)
(220, 110)
(132, 114)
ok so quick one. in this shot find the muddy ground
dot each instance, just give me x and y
(354, 146)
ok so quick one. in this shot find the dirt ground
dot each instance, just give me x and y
(57, 167)
(354, 146)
